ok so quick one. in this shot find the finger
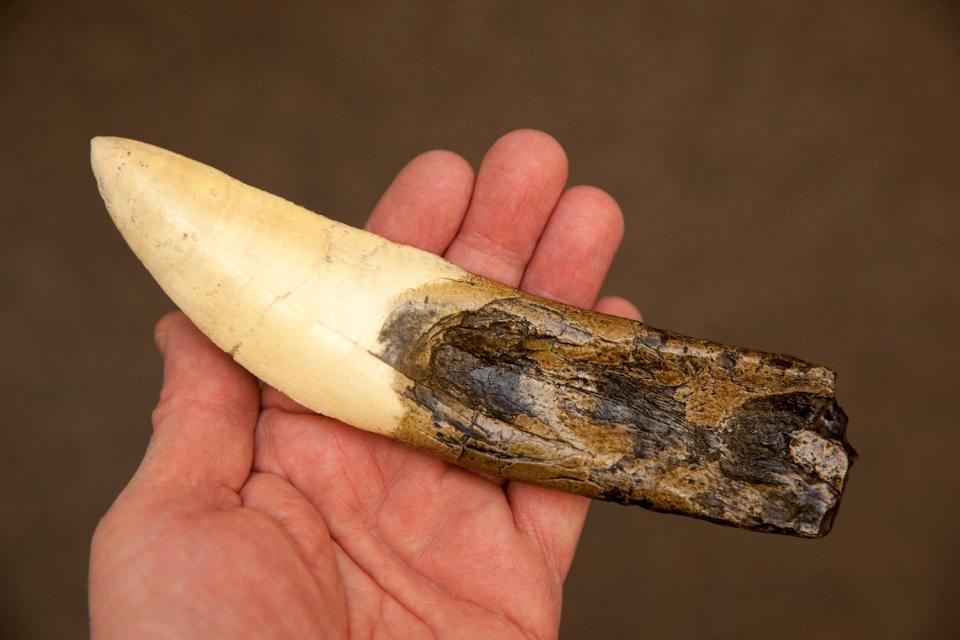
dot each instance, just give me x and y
(273, 398)
(617, 306)
(204, 422)
(519, 182)
(553, 518)
(425, 204)
(576, 249)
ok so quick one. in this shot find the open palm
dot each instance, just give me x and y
(253, 517)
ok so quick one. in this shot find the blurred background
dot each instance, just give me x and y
(790, 176)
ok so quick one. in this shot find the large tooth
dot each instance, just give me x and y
(295, 297)
(400, 342)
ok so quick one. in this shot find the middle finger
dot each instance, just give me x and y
(518, 185)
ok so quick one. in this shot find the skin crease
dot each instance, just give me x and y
(253, 517)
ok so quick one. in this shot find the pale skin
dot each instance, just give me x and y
(251, 516)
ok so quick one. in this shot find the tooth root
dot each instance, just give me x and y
(400, 342)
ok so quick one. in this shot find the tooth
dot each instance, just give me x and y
(399, 342)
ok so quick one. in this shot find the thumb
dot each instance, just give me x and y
(203, 426)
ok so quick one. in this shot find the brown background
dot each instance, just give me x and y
(790, 174)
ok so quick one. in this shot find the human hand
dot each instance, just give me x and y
(253, 517)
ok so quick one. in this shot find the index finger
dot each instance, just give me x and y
(425, 204)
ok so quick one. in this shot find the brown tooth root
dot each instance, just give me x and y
(402, 343)
(615, 410)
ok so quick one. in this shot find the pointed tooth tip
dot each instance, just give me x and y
(100, 144)
(109, 155)
(103, 148)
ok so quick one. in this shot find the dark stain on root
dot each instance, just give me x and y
(616, 410)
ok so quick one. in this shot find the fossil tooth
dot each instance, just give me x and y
(400, 342)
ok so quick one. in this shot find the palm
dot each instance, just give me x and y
(428, 546)
(322, 529)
